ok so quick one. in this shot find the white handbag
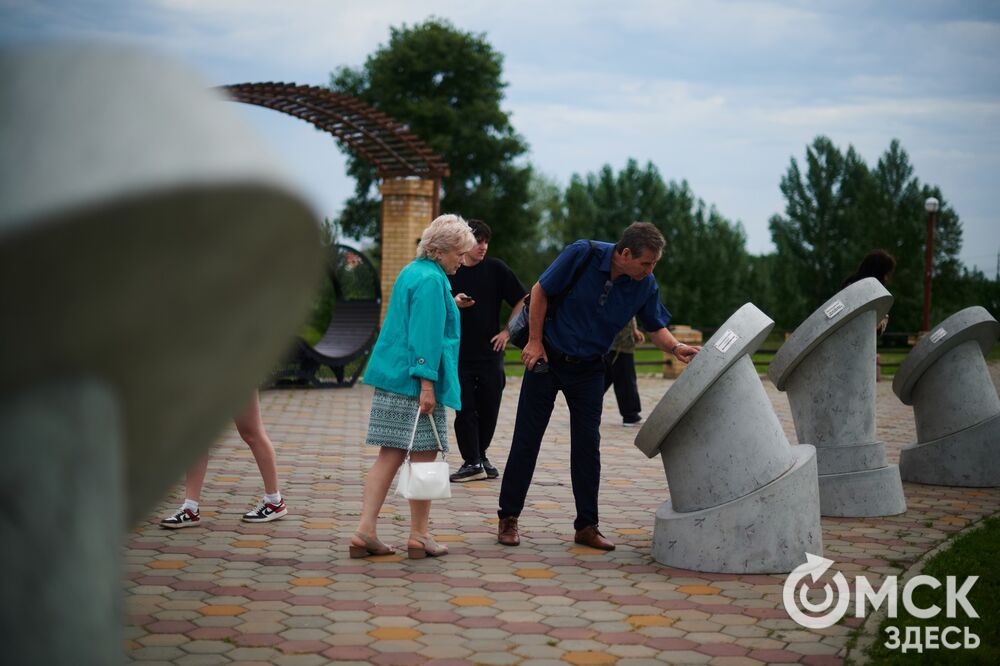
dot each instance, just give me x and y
(424, 480)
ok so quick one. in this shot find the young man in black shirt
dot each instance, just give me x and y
(479, 286)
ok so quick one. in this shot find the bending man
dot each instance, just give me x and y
(614, 284)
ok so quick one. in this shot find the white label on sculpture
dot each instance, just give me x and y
(938, 335)
(726, 341)
(833, 309)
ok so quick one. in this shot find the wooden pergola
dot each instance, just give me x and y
(410, 171)
(384, 142)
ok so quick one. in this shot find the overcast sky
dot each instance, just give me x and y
(721, 94)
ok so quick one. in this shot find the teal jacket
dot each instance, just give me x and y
(419, 337)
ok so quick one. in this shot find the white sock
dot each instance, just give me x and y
(273, 499)
(190, 504)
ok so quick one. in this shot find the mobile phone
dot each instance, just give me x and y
(464, 298)
(540, 367)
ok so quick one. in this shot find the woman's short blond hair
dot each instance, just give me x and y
(446, 233)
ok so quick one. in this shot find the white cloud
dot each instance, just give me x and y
(722, 93)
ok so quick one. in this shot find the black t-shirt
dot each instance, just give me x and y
(489, 282)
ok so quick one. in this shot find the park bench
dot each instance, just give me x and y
(349, 337)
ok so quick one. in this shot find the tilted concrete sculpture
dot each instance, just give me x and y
(827, 367)
(955, 404)
(153, 264)
(742, 500)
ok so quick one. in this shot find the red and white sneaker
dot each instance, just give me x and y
(266, 512)
(183, 518)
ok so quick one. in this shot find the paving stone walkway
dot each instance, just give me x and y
(286, 593)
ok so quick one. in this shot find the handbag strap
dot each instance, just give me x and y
(413, 435)
(436, 436)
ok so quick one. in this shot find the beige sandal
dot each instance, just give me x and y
(372, 546)
(428, 547)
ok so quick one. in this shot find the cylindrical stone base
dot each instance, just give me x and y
(729, 444)
(767, 531)
(62, 526)
(870, 492)
(969, 458)
(840, 459)
(827, 368)
(832, 390)
(953, 393)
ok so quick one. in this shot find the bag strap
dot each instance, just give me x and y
(576, 278)
(436, 436)
(413, 436)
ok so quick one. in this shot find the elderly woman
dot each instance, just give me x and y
(414, 366)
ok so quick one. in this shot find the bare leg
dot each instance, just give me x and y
(377, 484)
(251, 429)
(420, 511)
(195, 479)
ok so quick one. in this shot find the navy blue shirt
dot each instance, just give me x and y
(589, 317)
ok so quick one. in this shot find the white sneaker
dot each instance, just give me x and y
(266, 512)
(183, 518)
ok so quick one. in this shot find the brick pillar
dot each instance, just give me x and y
(407, 209)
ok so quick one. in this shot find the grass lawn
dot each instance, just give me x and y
(972, 554)
(649, 360)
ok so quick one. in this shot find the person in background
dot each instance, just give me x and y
(413, 367)
(620, 372)
(616, 284)
(271, 507)
(880, 265)
(480, 286)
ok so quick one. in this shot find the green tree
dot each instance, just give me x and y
(537, 250)
(838, 210)
(704, 273)
(953, 293)
(899, 225)
(819, 237)
(446, 86)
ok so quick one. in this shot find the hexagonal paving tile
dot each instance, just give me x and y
(287, 592)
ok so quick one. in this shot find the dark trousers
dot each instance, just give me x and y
(621, 373)
(582, 385)
(482, 385)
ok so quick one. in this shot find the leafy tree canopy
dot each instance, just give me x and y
(445, 85)
(705, 272)
(837, 210)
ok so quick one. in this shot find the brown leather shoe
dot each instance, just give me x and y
(507, 532)
(591, 536)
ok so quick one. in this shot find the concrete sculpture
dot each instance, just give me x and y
(153, 264)
(827, 367)
(742, 500)
(955, 404)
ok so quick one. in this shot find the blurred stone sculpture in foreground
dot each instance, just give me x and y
(153, 264)
(742, 500)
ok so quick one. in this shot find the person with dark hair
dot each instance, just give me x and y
(613, 284)
(877, 264)
(479, 287)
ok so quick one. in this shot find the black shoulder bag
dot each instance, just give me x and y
(518, 325)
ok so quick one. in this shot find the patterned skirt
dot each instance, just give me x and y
(391, 422)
